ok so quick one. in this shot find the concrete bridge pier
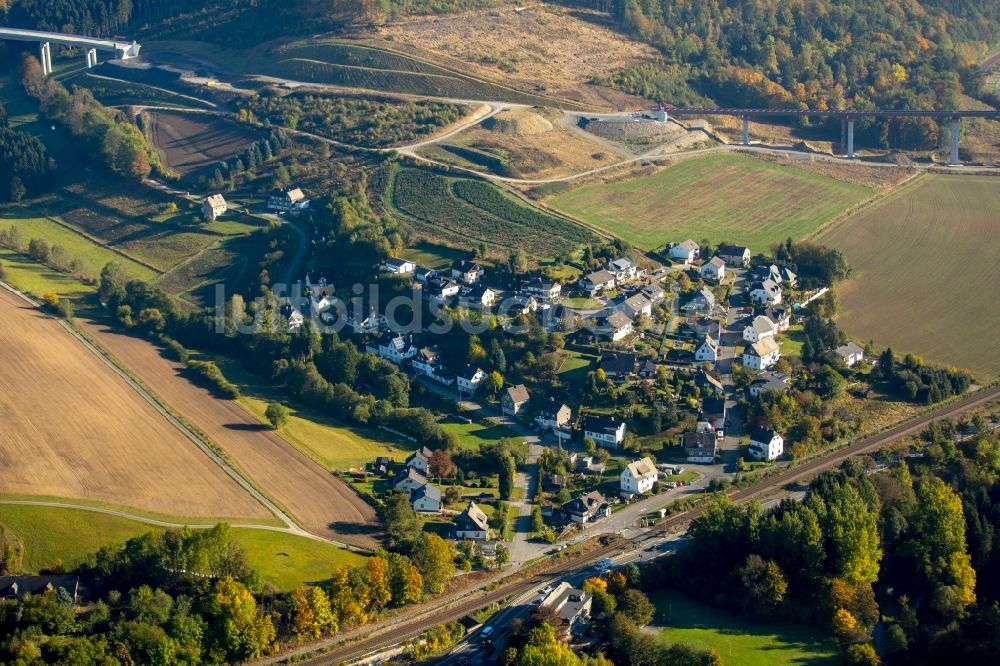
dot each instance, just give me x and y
(850, 137)
(746, 130)
(91, 58)
(954, 142)
(45, 57)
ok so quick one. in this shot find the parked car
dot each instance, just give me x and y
(545, 590)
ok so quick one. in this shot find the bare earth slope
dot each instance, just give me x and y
(319, 501)
(73, 428)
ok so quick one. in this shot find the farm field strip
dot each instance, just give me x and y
(321, 503)
(443, 206)
(96, 453)
(190, 142)
(926, 274)
(729, 197)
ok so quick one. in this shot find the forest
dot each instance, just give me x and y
(23, 162)
(913, 546)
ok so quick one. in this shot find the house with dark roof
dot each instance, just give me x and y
(546, 290)
(713, 410)
(408, 479)
(480, 296)
(426, 498)
(466, 271)
(393, 347)
(515, 398)
(618, 366)
(553, 483)
(469, 379)
(553, 415)
(597, 281)
(587, 508)
(734, 255)
(440, 289)
(766, 292)
(15, 587)
(701, 445)
(381, 465)
(768, 381)
(472, 524)
(709, 384)
(653, 292)
(572, 606)
(287, 200)
(766, 444)
(703, 301)
(607, 431)
(428, 362)
(420, 459)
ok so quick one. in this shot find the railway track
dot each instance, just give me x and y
(402, 630)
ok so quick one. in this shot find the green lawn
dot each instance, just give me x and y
(471, 435)
(738, 640)
(575, 367)
(790, 341)
(51, 535)
(331, 443)
(728, 197)
(33, 278)
(91, 255)
(431, 255)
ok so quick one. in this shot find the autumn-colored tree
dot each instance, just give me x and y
(435, 558)
(440, 465)
(303, 621)
(242, 633)
(378, 579)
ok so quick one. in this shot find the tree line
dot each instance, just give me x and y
(103, 133)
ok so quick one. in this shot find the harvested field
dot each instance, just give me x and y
(542, 45)
(926, 274)
(189, 142)
(319, 501)
(74, 429)
(722, 197)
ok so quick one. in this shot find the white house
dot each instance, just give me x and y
(767, 292)
(781, 317)
(470, 379)
(615, 326)
(427, 361)
(607, 431)
(597, 281)
(708, 350)
(735, 255)
(636, 305)
(393, 347)
(704, 300)
(553, 415)
(215, 206)
(686, 251)
(408, 479)
(481, 296)
(472, 524)
(761, 327)
(850, 354)
(420, 460)
(713, 270)
(421, 274)
(426, 499)
(765, 444)
(362, 321)
(547, 290)
(638, 477)
(761, 355)
(622, 268)
(398, 266)
(440, 289)
(466, 271)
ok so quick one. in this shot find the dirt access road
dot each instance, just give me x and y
(320, 502)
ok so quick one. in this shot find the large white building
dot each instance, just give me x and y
(638, 477)
(765, 444)
(607, 431)
(761, 355)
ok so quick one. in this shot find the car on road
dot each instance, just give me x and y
(485, 633)
(545, 590)
(603, 565)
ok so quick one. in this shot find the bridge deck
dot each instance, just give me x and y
(18, 34)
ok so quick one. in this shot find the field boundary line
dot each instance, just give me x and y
(152, 87)
(862, 206)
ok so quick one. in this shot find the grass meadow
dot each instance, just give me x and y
(721, 197)
(737, 639)
(53, 535)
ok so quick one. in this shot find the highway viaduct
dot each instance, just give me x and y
(664, 112)
(90, 45)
